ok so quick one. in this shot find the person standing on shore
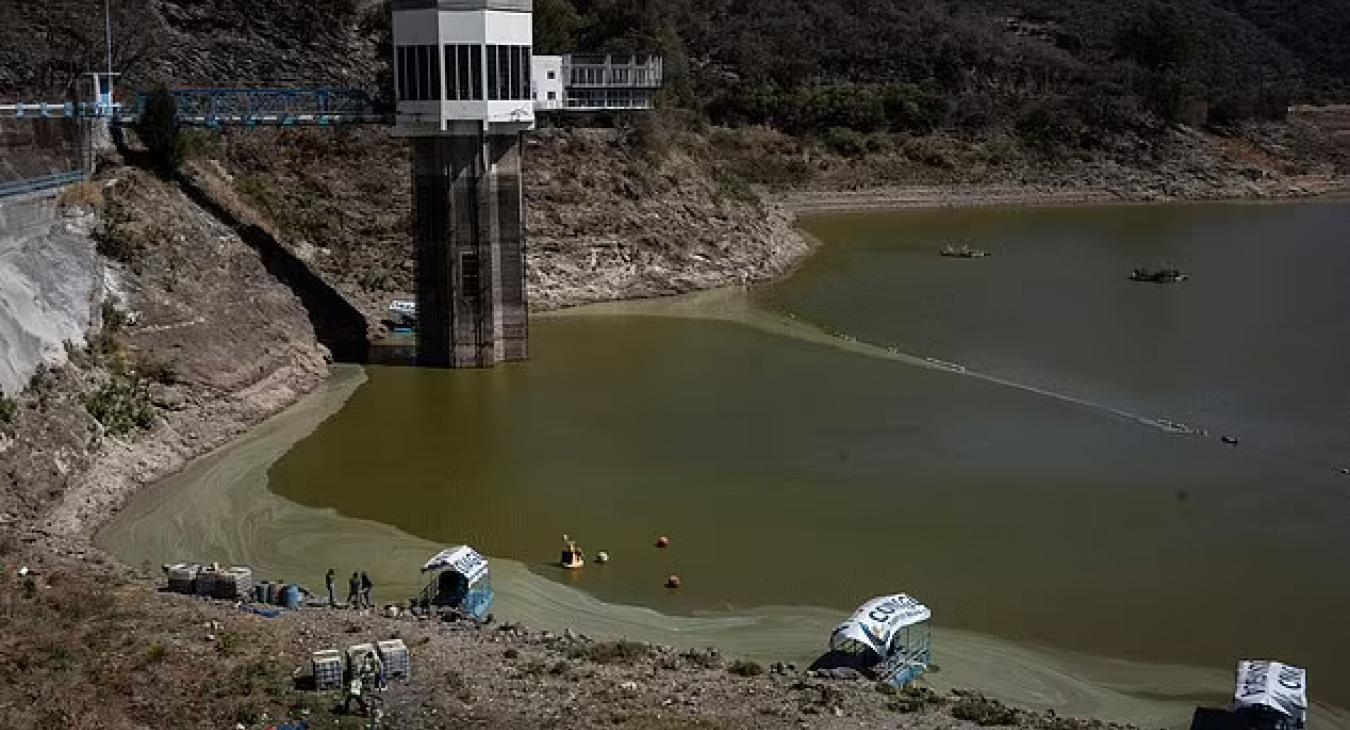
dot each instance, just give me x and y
(354, 591)
(328, 581)
(366, 588)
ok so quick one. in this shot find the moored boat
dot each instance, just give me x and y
(963, 251)
(1165, 275)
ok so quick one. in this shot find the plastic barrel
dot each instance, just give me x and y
(291, 597)
(260, 593)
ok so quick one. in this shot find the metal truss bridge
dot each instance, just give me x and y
(215, 108)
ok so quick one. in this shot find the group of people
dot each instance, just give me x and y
(359, 588)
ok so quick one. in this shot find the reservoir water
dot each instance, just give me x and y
(800, 448)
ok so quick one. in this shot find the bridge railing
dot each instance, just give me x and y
(33, 185)
(269, 107)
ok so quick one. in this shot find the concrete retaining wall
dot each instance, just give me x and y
(51, 285)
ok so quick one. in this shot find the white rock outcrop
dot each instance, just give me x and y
(51, 285)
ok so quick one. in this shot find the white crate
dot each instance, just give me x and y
(182, 577)
(327, 669)
(358, 652)
(206, 582)
(394, 654)
(234, 584)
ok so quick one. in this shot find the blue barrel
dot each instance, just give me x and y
(291, 597)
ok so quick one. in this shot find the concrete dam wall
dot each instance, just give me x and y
(36, 148)
(51, 285)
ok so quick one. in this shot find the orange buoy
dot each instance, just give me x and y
(673, 581)
(663, 542)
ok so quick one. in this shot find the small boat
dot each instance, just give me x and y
(403, 314)
(1165, 275)
(572, 558)
(887, 639)
(963, 251)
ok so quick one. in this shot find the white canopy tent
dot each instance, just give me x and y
(878, 623)
(462, 559)
(1279, 687)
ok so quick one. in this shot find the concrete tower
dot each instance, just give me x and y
(462, 76)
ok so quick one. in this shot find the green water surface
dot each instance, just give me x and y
(789, 471)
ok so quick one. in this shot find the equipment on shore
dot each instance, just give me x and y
(887, 639)
(460, 582)
(572, 557)
(1269, 696)
(230, 584)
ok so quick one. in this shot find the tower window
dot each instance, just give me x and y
(417, 73)
(470, 279)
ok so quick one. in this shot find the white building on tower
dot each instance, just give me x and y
(463, 66)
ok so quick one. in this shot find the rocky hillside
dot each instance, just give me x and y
(612, 213)
(198, 341)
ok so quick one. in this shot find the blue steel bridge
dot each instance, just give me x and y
(215, 108)
(44, 145)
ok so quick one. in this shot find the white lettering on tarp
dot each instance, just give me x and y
(1291, 678)
(1271, 684)
(1253, 681)
(885, 611)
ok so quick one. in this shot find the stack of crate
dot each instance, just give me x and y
(394, 654)
(206, 582)
(327, 669)
(182, 577)
(234, 584)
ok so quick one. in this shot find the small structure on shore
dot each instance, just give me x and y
(460, 582)
(887, 639)
(1269, 696)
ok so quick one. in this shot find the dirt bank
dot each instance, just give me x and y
(137, 658)
(199, 342)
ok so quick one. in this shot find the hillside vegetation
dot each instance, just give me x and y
(1060, 73)
(1056, 73)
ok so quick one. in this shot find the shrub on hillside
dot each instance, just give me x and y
(122, 406)
(8, 409)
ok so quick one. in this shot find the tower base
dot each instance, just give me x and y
(469, 222)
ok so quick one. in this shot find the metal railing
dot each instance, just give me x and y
(38, 184)
(269, 107)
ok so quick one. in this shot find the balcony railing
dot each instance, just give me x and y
(612, 71)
